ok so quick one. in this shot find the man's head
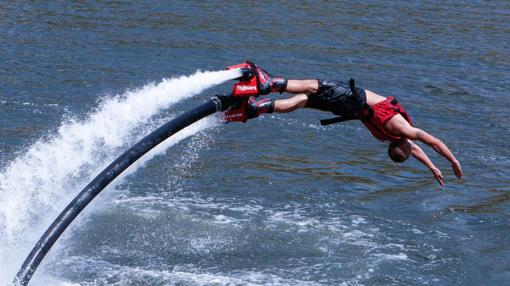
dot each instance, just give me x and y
(400, 151)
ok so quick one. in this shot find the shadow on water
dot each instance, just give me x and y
(493, 204)
(312, 169)
(392, 191)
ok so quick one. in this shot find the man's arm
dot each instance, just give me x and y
(421, 156)
(404, 129)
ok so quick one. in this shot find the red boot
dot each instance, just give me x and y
(254, 108)
(268, 84)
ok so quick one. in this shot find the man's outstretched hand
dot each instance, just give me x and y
(457, 169)
(439, 177)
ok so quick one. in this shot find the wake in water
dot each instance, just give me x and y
(36, 185)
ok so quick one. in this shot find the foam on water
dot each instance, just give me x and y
(36, 185)
(216, 231)
(111, 274)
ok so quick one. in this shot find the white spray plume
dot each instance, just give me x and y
(35, 186)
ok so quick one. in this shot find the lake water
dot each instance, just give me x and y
(279, 200)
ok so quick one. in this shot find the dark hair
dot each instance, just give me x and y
(400, 151)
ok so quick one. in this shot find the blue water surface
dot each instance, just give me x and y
(278, 200)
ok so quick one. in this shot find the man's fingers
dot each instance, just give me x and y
(457, 170)
(440, 179)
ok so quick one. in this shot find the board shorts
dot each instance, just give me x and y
(337, 97)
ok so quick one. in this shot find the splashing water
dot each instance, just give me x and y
(36, 185)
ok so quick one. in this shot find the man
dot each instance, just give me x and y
(386, 119)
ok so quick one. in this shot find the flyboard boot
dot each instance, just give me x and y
(268, 83)
(254, 107)
(253, 82)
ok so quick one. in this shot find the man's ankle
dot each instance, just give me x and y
(278, 84)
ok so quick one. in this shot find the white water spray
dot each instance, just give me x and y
(36, 185)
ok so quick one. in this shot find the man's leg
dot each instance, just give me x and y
(269, 84)
(290, 104)
(268, 105)
(302, 86)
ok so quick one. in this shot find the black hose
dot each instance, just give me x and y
(74, 208)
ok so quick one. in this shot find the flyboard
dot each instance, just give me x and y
(234, 106)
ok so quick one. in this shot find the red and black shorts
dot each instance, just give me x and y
(337, 97)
